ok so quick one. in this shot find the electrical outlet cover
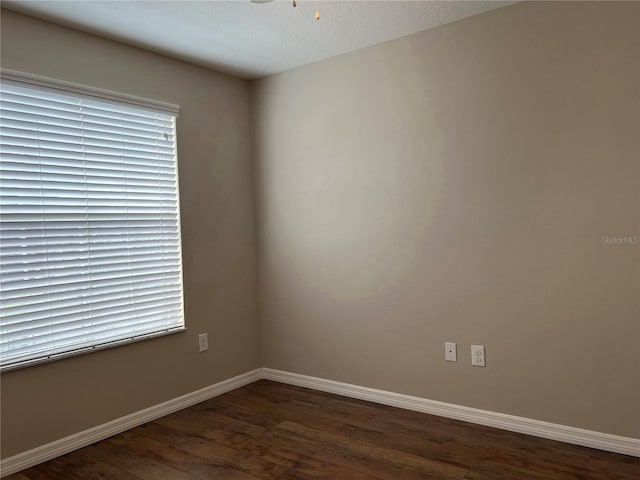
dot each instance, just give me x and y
(450, 352)
(203, 342)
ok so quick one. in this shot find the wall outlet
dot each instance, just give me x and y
(450, 352)
(203, 342)
(477, 356)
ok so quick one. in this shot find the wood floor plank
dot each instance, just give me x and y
(444, 450)
(464, 433)
(242, 443)
(507, 460)
(293, 411)
(134, 454)
(208, 424)
(151, 449)
(280, 392)
(215, 453)
(611, 463)
(78, 465)
(159, 471)
(219, 472)
(356, 447)
(326, 418)
(277, 411)
(332, 454)
(277, 448)
(272, 431)
(316, 470)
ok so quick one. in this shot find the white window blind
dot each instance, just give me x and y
(90, 251)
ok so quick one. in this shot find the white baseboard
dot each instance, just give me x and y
(553, 431)
(562, 433)
(87, 437)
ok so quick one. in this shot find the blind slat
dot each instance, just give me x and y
(98, 286)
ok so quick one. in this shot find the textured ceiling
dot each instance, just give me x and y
(251, 40)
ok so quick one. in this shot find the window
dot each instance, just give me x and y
(89, 220)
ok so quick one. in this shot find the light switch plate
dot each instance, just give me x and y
(477, 356)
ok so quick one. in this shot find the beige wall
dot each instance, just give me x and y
(452, 185)
(456, 185)
(44, 403)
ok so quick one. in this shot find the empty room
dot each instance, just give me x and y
(286, 240)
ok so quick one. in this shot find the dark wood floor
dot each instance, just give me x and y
(268, 430)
